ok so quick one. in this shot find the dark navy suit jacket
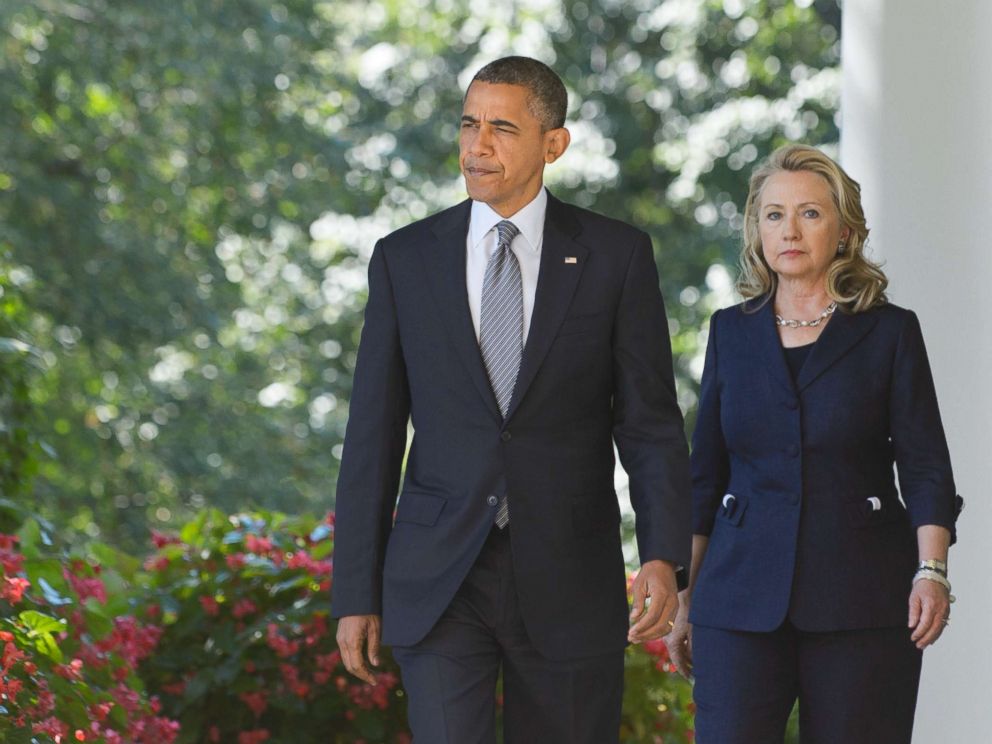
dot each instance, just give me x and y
(596, 369)
(814, 528)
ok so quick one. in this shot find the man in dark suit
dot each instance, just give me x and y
(523, 337)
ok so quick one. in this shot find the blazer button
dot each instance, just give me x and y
(506, 436)
(492, 499)
(792, 450)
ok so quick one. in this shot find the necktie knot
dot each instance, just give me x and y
(506, 231)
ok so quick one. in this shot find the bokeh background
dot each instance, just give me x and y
(190, 191)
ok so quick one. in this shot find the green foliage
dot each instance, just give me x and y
(20, 362)
(248, 652)
(69, 648)
(227, 624)
(190, 192)
(657, 703)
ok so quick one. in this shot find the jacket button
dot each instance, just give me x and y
(492, 500)
(792, 450)
(506, 436)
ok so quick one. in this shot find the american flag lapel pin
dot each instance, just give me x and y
(571, 259)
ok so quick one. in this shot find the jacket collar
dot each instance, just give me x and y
(445, 268)
(842, 333)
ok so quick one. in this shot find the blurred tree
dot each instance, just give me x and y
(190, 192)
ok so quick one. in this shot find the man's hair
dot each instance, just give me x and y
(547, 101)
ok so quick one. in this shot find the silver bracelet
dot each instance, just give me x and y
(926, 574)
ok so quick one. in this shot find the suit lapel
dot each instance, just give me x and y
(841, 334)
(444, 266)
(556, 284)
(763, 335)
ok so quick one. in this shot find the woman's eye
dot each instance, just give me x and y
(812, 213)
(773, 216)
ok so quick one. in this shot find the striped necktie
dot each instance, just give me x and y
(501, 327)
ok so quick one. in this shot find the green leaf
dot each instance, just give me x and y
(36, 622)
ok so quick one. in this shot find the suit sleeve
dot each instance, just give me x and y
(648, 427)
(710, 461)
(922, 460)
(374, 444)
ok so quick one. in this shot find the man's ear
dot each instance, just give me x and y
(556, 141)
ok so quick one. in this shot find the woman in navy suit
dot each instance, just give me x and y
(813, 577)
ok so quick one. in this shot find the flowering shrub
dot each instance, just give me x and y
(69, 646)
(248, 652)
(657, 702)
(227, 623)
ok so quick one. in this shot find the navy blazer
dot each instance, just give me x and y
(793, 481)
(596, 369)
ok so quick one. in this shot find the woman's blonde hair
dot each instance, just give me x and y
(853, 282)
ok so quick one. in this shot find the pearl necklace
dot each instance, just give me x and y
(780, 321)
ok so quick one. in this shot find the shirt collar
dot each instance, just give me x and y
(529, 220)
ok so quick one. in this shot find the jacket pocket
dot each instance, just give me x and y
(420, 508)
(732, 509)
(870, 511)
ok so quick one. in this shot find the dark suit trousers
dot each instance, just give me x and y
(853, 687)
(450, 676)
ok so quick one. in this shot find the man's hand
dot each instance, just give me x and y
(354, 631)
(655, 602)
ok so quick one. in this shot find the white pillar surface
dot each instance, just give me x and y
(916, 132)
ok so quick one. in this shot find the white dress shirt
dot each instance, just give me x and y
(482, 241)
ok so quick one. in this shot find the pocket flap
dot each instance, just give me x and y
(872, 510)
(732, 508)
(420, 508)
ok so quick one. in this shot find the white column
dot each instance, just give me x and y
(917, 134)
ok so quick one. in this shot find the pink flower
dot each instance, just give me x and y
(243, 607)
(258, 545)
(302, 559)
(257, 701)
(133, 641)
(86, 587)
(282, 646)
(253, 737)
(11, 562)
(210, 606)
(160, 539)
(73, 671)
(12, 589)
(53, 727)
(156, 563)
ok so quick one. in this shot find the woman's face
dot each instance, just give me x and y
(799, 225)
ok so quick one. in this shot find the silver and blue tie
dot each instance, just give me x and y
(501, 327)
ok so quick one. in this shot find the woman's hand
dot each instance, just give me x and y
(929, 612)
(679, 641)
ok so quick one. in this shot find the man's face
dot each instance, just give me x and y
(502, 148)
